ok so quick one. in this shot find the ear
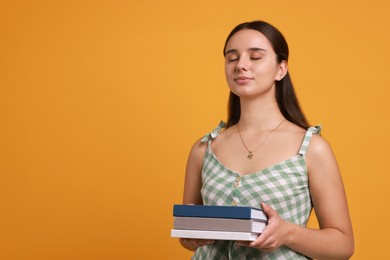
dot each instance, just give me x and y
(282, 70)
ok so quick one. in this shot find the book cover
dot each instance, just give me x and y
(219, 224)
(217, 235)
(208, 211)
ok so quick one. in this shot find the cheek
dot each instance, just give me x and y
(228, 72)
(267, 71)
(229, 77)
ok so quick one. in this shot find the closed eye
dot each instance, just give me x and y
(256, 54)
(231, 60)
(232, 57)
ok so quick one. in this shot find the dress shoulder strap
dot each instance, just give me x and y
(309, 133)
(213, 134)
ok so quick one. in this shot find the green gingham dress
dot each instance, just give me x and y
(283, 186)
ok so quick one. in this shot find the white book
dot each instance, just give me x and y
(217, 235)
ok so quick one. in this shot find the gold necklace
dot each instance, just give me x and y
(250, 153)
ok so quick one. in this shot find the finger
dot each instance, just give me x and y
(268, 210)
(258, 242)
(262, 239)
(262, 242)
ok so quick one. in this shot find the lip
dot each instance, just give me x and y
(242, 80)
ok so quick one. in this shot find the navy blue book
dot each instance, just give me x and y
(207, 211)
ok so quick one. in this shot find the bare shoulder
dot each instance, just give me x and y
(320, 158)
(318, 146)
(198, 150)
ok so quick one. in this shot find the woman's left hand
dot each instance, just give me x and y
(273, 236)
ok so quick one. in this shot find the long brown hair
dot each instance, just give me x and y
(284, 91)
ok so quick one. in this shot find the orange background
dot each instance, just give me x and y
(100, 102)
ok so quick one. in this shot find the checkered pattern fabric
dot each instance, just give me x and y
(283, 186)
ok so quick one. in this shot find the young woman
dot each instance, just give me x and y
(267, 156)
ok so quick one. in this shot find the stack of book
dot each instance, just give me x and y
(218, 222)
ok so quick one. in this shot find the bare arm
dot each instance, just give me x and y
(192, 187)
(334, 239)
(193, 181)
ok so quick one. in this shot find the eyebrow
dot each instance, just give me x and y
(250, 49)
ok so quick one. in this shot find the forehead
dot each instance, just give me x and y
(247, 39)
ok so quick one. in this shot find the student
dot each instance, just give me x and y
(267, 155)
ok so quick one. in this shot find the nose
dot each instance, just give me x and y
(241, 67)
(242, 64)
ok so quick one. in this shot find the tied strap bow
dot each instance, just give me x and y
(214, 133)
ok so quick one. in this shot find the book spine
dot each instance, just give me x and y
(219, 224)
(214, 212)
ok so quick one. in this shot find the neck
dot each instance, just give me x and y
(258, 115)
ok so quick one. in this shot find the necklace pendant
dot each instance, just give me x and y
(250, 155)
